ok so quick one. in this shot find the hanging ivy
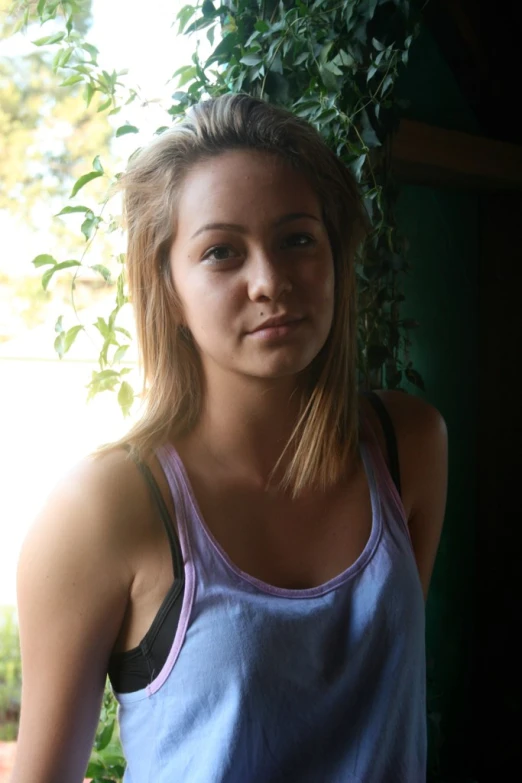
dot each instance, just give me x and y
(335, 64)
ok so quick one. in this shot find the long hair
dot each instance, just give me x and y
(326, 433)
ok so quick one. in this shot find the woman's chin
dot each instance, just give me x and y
(280, 367)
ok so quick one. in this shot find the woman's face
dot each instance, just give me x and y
(250, 247)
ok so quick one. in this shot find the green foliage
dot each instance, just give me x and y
(334, 64)
(10, 675)
(107, 764)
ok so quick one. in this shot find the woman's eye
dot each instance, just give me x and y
(219, 253)
(299, 240)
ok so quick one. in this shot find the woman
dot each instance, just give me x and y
(252, 578)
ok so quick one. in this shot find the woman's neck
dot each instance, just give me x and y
(244, 427)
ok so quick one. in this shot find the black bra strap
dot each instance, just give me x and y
(389, 434)
(175, 546)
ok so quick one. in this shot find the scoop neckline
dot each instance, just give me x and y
(308, 592)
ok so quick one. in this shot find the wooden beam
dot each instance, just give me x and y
(428, 155)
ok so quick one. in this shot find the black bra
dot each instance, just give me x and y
(134, 669)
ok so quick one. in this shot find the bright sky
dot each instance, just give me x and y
(45, 424)
(141, 37)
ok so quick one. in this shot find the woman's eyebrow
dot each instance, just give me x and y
(242, 229)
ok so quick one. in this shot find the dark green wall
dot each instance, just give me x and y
(442, 226)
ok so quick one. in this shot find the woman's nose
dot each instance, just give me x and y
(268, 277)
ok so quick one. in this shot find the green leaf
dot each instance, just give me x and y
(95, 769)
(343, 59)
(208, 8)
(104, 105)
(71, 210)
(251, 59)
(103, 271)
(89, 92)
(357, 166)
(107, 375)
(78, 185)
(66, 56)
(88, 226)
(369, 11)
(372, 70)
(125, 397)
(187, 75)
(123, 331)
(328, 78)
(120, 293)
(333, 69)
(49, 39)
(58, 327)
(327, 116)
(96, 164)
(102, 327)
(386, 84)
(46, 277)
(262, 26)
(71, 336)
(74, 79)
(184, 16)
(120, 353)
(103, 739)
(198, 24)
(92, 50)
(43, 260)
(301, 58)
(66, 265)
(377, 44)
(224, 49)
(323, 55)
(59, 345)
(57, 60)
(124, 129)
(40, 7)
(368, 134)
(349, 9)
(276, 66)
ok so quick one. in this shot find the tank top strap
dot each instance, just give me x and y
(173, 470)
(386, 488)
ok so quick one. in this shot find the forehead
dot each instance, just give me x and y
(244, 187)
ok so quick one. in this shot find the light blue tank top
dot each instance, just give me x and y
(265, 685)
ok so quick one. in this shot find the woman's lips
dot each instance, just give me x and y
(275, 331)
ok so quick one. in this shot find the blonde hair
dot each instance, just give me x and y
(326, 432)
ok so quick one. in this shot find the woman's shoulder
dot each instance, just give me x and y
(100, 507)
(420, 432)
(413, 418)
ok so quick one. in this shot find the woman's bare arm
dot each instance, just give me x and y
(422, 441)
(74, 580)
